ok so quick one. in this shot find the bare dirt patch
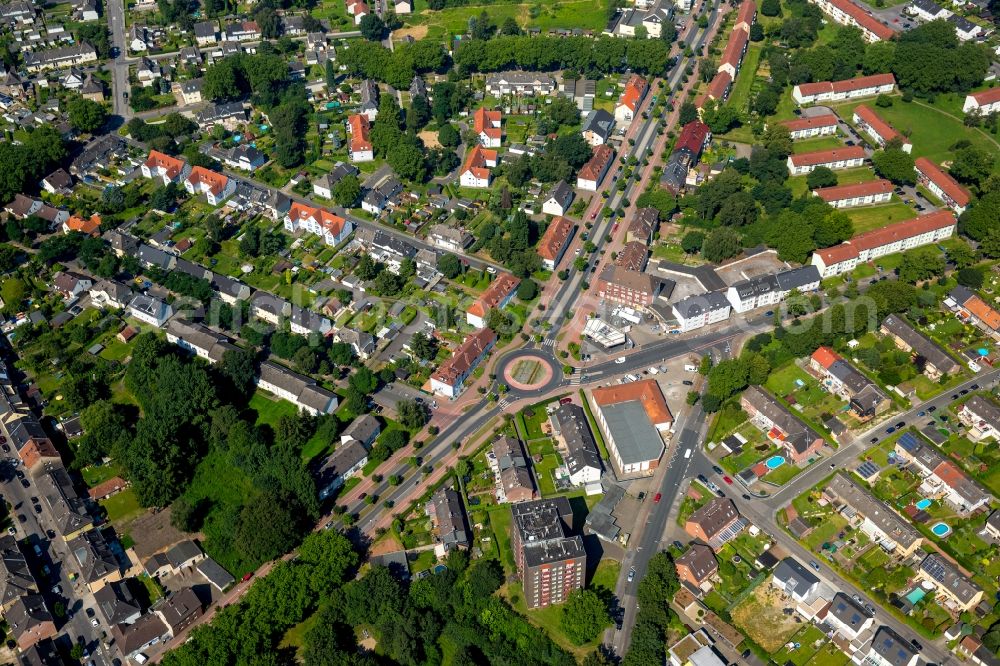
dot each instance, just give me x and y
(761, 617)
(387, 544)
(415, 31)
(430, 138)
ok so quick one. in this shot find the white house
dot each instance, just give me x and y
(215, 186)
(559, 199)
(847, 157)
(333, 228)
(149, 310)
(836, 91)
(869, 193)
(983, 103)
(477, 169)
(701, 310)
(449, 379)
(764, 290)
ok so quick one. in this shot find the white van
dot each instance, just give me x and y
(653, 370)
(690, 368)
(140, 658)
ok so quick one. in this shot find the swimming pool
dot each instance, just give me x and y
(774, 462)
(923, 504)
(915, 595)
(941, 529)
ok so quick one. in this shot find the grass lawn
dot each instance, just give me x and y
(123, 508)
(500, 519)
(606, 574)
(740, 95)
(95, 474)
(933, 128)
(436, 24)
(875, 217)
(543, 470)
(269, 408)
(818, 143)
(799, 185)
(807, 639)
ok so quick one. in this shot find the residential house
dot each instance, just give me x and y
(61, 57)
(519, 83)
(230, 115)
(700, 310)
(697, 566)
(369, 99)
(215, 186)
(30, 621)
(716, 523)
(693, 139)
(243, 31)
(244, 157)
(16, 579)
(870, 245)
(205, 33)
(500, 292)
(299, 390)
(648, 20)
(982, 103)
(838, 91)
(972, 309)
(581, 91)
(847, 617)
(792, 578)
(869, 193)
(717, 91)
(887, 648)
(559, 199)
(323, 186)
(117, 604)
(553, 243)
(799, 441)
(303, 321)
(892, 532)
(449, 379)
(151, 257)
(571, 429)
(841, 378)
(487, 126)
(642, 225)
(941, 478)
(935, 360)
(95, 560)
(58, 182)
(927, 10)
(90, 226)
(149, 310)
(591, 174)
(319, 221)
(942, 185)
(633, 256)
(361, 342)
(765, 290)
(179, 610)
(513, 472)
(982, 418)
(732, 55)
(450, 238)
(360, 146)
(165, 168)
(635, 420)
(812, 126)
(449, 523)
(630, 100)
(198, 340)
(70, 285)
(965, 29)
(476, 171)
(67, 509)
(343, 464)
(847, 157)
(597, 127)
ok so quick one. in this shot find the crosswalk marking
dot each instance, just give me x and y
(549, 343)
(503, 404)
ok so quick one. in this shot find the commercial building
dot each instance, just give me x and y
(846, 12)
(631, 288)
(936, 361)
(812, 126)
(841, 378)
(701, 310)
(799, 441)
(449, 379)
(553, 243)
(942, 185)
(873, 517)
(882, 132)
(580, 454)
(838, 91)
(905, 235)
(847, 157)
(634, 419)
(716, 523)
(765, 290)
(869, 193)
(500, 292)
(550, 563)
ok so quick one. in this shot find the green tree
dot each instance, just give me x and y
(584, 616)
(448, 136)
(692, 242)
(721, 244)
(894, 164)
(821, 177)
(450, 266)
(86, 115)
(347, 190)
(921, 264)
(372, 28)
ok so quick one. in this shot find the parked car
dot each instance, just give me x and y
(657, 498)
(631, 574)
(717, 469)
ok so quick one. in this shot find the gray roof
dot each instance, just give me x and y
(582, 450)
(848, 612)
(798, 277)
(449, 513)
(204, 29)
(270, 303)
(369, 95)
(117, 603)
(694, 306)
(599, 122)
(962, 23)
(192, 269)
(27, 613)
(897, 326)
(562, 193)
(151, 256)
(985, 409)
(543, 527)
(949, 577)
(15, 576)
(214, 573)
(636, 439)
(798, 435)
(179, 607)
(183, 551)
(68, 510)
(928, 6)
(94, 555)
(874, 510)
(364, 428)
(892, 648)
(218, 112)
(345, 457)
(149, 305)
(230, 286)
(794, 576)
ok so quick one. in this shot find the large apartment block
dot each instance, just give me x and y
(869, 193)
(764, 290)
(838, 91)
(550, 562)
(847, 157)
(846, 12)
(942, 185)
(905, 235)
(812, 126)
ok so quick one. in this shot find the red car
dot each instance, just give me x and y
(657, 497)
(593, 215)
(614, 229)
(727, 480)
(247, 577)
(565, 401)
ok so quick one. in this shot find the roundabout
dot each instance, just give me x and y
(529, 371)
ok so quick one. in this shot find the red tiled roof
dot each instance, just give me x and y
(733, 54)
(171, 165)
(985, 97)
(484, 121)
(478, 160)
(693, 137)
(949, 474)
(646, 392)
(555, 238)
(109, 487)
(879, 126)
(825, 120)
(864, 19)
(634, 91)
(827, 156)
(983, 312)
(825, 357)
(464, 357)
(847, 85)
(359, 133)
(748, 10)
(330, 222)
(498, 290)
(838, 192)
(889, 234)
(90, 227)
(719, 85)
(939, 177)
(215, 181)
(598, 162)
